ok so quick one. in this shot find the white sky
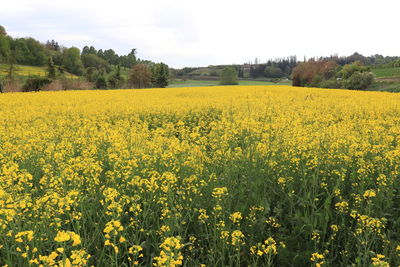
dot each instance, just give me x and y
(209, 32)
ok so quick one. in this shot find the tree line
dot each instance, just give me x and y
(329, 74)
(101, 68)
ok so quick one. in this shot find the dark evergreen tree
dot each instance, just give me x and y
(51, 68)
(101, 82)
(116, 80)
(160, 75)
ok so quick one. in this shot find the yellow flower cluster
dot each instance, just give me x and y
(170, 254)
(112, 231)
(269, 247)
(236, 217)
(63, 236)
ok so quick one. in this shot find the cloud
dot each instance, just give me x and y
(194, 33)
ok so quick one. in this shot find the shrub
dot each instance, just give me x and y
(359, 81)
(332, 83)
(229, 76)
(348, 70)
(35, 84)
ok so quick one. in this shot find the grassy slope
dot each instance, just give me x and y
(387, 79)
(386, 72)
(29, 71)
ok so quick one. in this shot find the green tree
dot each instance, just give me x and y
(5, 43)
(116, 80)
(11, 60)
(92, 60)
(51, 69)
(2, 31)
(128, 61)
(140, 76)
(228, 76)
(349, 69)
(101, 82)
(273, 72)
(111, 57)
(160, 75)
(72, 60)
(89, 50)
(91, 74)
(28, 51)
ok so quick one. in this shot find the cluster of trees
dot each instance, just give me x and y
(109, 56)
(374, 60)
(329, 74)
(149, 75)
(104, 69)
(277, 68)
(393, 64)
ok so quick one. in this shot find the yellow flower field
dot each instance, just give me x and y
(213, 176)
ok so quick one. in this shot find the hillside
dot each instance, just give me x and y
(386, 72)
(25, 71)
(386, 79)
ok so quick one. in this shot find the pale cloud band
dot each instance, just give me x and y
(197, 33)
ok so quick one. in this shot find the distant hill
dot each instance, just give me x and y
(24, 71)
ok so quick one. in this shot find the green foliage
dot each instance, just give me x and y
(89, 50)
(359, 81)
(28, 51)
(350, 69)
(160, 75)
(101, 82)
(327, 74)
(51, 68)
(2, 31)
(72, 60)
(332, 83)
(386, 72)
(91, 74)
(4, 47)
(229, 76)
(116, 80)
(128, 61)
(92, 60)
(35, 84)
(395, 64)
(109, 56)
(273, 72)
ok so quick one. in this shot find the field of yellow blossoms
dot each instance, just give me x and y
(214, 176)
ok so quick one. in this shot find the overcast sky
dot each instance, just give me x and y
(208, 32)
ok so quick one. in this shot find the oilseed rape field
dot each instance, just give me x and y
(212, 176)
